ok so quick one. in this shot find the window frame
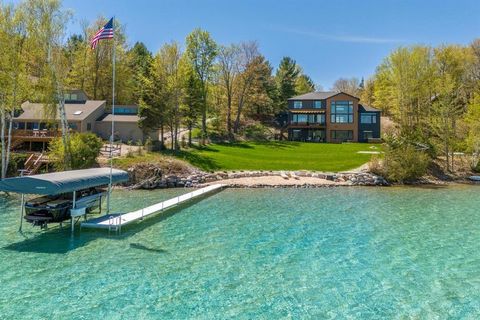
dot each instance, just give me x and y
(370, 115)
(297, 132)
(297, 104)
(367, 132)
(335, 116)
(321, 102)
(317, 118)
(333, 135)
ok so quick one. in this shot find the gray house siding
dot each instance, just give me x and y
(91, 119)
(124, 131)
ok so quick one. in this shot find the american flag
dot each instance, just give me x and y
(104, 33)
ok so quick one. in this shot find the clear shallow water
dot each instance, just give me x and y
(372, 253)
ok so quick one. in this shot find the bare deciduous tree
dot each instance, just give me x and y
(248, 52)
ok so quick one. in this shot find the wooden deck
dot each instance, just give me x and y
(35, 135)
(116, 221)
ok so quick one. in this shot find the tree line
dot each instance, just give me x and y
(222, 91)
(219, 89)
(432, 94)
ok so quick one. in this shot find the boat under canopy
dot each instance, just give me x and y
(62, 182)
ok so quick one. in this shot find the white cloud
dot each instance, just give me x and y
(340, 38)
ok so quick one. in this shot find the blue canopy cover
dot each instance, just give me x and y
(62, 182)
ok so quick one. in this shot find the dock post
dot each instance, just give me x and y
(21, 212)
(72, 219)
(119, 224)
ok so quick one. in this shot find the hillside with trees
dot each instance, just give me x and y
(432, 94)
(230, 92)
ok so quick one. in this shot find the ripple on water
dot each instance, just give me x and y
(315, 253)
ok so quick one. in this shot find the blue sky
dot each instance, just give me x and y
(329, 39)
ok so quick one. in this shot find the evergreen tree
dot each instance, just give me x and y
(304, 84)
(139, 59)
(286, 78)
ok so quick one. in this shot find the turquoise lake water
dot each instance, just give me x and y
(359, 253)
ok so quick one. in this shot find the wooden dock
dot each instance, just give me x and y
(116, 221)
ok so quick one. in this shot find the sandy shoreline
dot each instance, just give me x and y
(276, 181)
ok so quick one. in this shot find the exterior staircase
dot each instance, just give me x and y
(15, 143)
(34, 163)
(116, 150)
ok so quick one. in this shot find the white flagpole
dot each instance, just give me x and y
(113, 118)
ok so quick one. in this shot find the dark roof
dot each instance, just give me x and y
(364, 108)
(62, 182)
(319, 95)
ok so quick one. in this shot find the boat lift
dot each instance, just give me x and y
(62, 182)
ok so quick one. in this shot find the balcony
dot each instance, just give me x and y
(35, 135)
(312, 125)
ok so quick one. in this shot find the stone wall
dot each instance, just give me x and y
(156, 179)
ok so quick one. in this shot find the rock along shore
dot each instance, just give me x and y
(153, 178)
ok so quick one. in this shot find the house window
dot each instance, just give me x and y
(341, 112)
(72, 125)
(316, 118)
(33, 125)
(19, 125)
(296, 134)
(342, 135)
(126, 110)
(367, 135)
(310, 118)
(296, 118)
(318, 104)
(316, 135)
(89, 126)
(368, 118)
(297, 104)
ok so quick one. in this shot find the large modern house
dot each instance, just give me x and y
(331, 117)
(33, 132)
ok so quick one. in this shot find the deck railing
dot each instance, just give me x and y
(313, 124)
(36, 133)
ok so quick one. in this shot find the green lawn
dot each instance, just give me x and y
(280, 156)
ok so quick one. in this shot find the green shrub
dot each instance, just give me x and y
(140, 147)
(84, 149)
(477, 168)
(196, 133)
(404, 164)
(183, 142)
(130, 153)
(257, 132)
(17, 162)
(148, 144)
(157, 145)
